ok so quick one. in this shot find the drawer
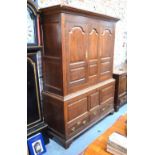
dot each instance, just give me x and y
(105, 108)
(77, 124)
(94, 113)
(108, 101)
(77, 108)
(123, 99)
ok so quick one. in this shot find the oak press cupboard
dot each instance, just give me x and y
(78, 86)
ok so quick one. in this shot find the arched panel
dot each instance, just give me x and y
(106, 52)
(77, 47)
(77, 55)
(93, 42)
(106, 43)
(93, 45)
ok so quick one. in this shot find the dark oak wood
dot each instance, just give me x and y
(77, 69)
(120, 89)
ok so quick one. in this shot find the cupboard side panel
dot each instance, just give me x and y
(52, 55)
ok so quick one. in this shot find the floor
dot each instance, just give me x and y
(79, 144)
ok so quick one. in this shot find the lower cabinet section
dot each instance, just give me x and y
(78, 111)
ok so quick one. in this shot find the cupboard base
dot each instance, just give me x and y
(67, 142)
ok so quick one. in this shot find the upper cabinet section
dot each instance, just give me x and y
(81, 43)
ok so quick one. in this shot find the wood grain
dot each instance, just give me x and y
(77, 67)
(98, 147)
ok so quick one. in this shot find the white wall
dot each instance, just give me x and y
(115, 8)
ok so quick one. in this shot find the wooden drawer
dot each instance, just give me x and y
(94, 113)
(122, 99)
(77, 107)
(105, 108)
(77, 124)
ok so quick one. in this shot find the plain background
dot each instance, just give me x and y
(141, 77)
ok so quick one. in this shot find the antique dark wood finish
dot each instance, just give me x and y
(77, 67)
(120, 89)
(35, 119)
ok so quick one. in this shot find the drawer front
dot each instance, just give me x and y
(77, 108)
(93, 100)
(106, 93)
(78, 124)
(122, 84)
(123, 99)
(105, 108)
(95, 113)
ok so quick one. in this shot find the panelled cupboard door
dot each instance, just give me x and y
(76, 38)
(106, 52)
(92, 53)
(89, 53)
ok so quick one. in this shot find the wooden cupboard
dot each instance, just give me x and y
(77, 69)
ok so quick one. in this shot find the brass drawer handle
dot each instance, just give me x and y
(78, 123)
(84, 122)
(95, 113)
(103, 109)
(73, 129)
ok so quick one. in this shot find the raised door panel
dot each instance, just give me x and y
(51, 39)
(93, 100)
(52, 70)
(76, 60)
(77, 107)
(52, 75)
(106, 53)
(93, 42)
